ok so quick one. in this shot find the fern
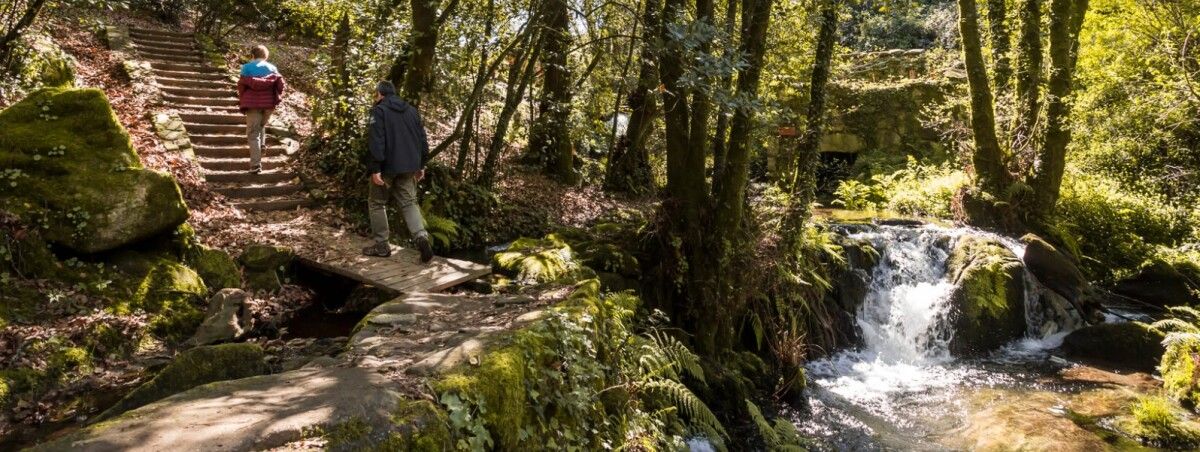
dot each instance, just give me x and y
(694, 409)
(537, 261)
(1185, 313)
(1174, 325)
(678, 355)
(443, 230)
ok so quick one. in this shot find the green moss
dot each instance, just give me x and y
(1156, 423)
(498, 383)
(988, 295)
(264, 266)
(71, 170)
(218, 270)
(172, 293)
(420, 427)
(17, 381)
(1179, 367)
(195, 367)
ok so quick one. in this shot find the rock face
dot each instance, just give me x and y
(1054, 269)
(70, 165)
(216, 267)
(989, 295)
(1164, 284)
(850, 286)
(1131, 345)
(226, 319)
(254, 413)
(192, 368)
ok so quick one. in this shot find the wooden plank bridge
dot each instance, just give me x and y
(401, 272)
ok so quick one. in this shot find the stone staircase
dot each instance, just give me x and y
(206, 101)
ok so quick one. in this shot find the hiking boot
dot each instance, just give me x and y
(425, 248)
(255, 169)
(378, 250)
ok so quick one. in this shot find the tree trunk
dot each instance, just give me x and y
(804, 185)
(721, 137)
(629, 165)
(520, 74)
(676, 107)
(1001, 42)
(481, 76)
(988, 157)
(412, 68)
(1028, 76)
(9, 39)
(701, 107)
(1065, 18)
(550, 140)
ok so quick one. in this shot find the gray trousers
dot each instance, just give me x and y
(403, 188)
(256, 134)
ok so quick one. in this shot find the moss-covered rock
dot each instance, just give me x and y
(69, 168)
(192, 368)
(498, 384)
(1156, 422)
(1163, 283)
(1133, 345)
(218, 270)
(1180, 367)
(265, 265)
(988, 297)
(419, 427)
(172, 293)
(43, 63)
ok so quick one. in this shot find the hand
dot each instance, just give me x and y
(419, 175)
(377, 179)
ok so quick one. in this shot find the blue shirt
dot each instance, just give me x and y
(258, 68)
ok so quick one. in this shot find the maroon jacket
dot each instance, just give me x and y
(260, 93)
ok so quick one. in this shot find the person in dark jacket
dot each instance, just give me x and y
(399, 150)
(260, 90)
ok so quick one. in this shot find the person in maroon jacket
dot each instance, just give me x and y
(260, 90)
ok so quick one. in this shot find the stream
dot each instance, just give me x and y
(902, 389)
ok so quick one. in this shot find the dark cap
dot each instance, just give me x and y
(385, 88)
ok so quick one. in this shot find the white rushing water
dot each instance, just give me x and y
(904, 325)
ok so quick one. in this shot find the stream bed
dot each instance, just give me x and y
(903, 390)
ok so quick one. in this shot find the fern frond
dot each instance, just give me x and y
(1175, 326)
(679, 355)
(1185, 313)
(694, 409)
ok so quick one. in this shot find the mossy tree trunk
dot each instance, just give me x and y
(413, 68)
(1001, 40)
(1028, 76)
(988, 156)
(721, 137)
(1066, 19)
(520, 75)
(550, 140)
(629, 165)
(804, 181)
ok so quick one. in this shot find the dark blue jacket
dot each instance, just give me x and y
(396, 138)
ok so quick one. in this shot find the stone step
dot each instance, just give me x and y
(140, 34)
(206, 109)
(194, 61)
(167, 51)
(257, 191)
(204, 84)
(210, 118)
(287, 203)
(208, 93)
(191, 75)
(182, 67)
(225, 139)
(169, 46)
(239, 164)
(158, 32)
(225, 152)
(208, 128)
(246, 177)
(200, 101)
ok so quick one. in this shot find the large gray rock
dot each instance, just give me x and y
(1053, 269)
(77, 173)
(1162, 283)
(254, 413)
(1129, 345)
(988, 297)
(226, 319)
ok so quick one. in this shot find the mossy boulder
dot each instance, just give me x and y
(216, 267)
(988, 298)
(499, 384)
(1054, 269)
(1180, 368)
(70, 168)
(265, 265)
(43, 63)
(1131, 345)
(192, 368)
(1163, 283)
(172, 293)
(420, 427)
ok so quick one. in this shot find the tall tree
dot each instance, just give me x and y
(629, 164)
(413, 68)
(15, 17)
(1066, 20)
(808, 147)
(1001, 41)
(550, 140)
(1028, 75)
(988, 156)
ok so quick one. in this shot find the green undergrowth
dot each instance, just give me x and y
(1157, 422)
(585, 377)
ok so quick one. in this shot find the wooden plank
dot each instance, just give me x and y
(396, 274)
